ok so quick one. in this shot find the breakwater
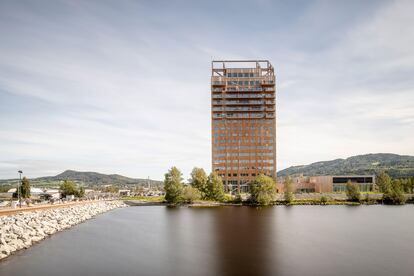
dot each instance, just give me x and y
(21, 230)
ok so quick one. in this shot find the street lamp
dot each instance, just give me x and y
(18, 190)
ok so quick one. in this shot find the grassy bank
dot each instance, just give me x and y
(153, 199)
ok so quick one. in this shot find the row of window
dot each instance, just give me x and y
(241, 96)
(240, 154)
(241, 75)
(238, 122)
(243, 115)
(240, 108)
(221, 148)
(363, 187)
(222, 141)
(223, 168)
(235, 128)
(237, 161)
(234, 82)
(253, 134)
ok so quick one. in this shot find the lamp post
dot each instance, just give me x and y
(18, 188)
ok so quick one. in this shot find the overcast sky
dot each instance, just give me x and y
(124, 86)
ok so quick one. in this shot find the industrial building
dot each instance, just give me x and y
(243, 121)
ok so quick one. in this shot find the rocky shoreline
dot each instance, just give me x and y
(21, 230)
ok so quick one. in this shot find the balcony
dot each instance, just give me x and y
(218, 83)
(268, 82)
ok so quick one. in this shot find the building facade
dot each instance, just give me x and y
(243, 115)
(329, 183)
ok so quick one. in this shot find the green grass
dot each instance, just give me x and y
(145, 198)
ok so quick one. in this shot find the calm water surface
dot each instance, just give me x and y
(297, 240)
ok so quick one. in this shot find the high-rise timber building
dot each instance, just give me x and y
(243, 121)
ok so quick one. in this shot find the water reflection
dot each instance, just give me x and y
(242, 240)
(300, 240)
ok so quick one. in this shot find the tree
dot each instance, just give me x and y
(68, 187)
(199, 180)
(81, 192)
(289, 189)
(263, 190)
(173, 186)
(353, 192)
(394, 194)
(383, 181)
(25, 188)
(215, 188)
(191, 194)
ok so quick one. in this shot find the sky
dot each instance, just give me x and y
(124, 86)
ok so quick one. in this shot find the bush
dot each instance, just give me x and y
(191, 194)
(352, 192)
(289, 188)
(324, 200)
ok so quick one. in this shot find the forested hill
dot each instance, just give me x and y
(88, 179)
(395, 165)
(94, 178)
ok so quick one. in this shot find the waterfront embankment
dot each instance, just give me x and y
(21, 230)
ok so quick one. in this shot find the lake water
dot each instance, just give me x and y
(296, 240)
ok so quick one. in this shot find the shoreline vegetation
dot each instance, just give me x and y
(204, 190)
(160, 201)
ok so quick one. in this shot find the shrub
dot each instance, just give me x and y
(191, 194)
(289, 188)
(324, 200)
(352, 192)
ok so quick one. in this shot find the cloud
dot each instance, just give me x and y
(124, 88)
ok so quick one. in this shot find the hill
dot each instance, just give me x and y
(395, 165)
(88, 179)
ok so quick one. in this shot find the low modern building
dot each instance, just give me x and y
(329, 183)
(35, 192)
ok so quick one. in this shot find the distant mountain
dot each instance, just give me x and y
(92, 179)
(395, 165)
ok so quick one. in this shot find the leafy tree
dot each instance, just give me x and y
(111, 189)
(215, 188)
(68, 187)
(352, 191)
(263, 190)
(81, 192)
(199, 180)
(25, 188)
(394, 194)
(289, 189)
(173, 186)
(191, 194)
(383, 181)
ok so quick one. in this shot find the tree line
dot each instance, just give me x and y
(203, 187)
(68, 187)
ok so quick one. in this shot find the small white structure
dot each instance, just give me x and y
(53, 193)
(70, 197)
